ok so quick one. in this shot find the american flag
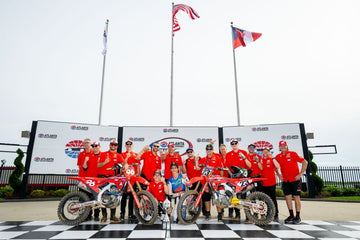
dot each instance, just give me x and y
(105, 40)
(191, 12)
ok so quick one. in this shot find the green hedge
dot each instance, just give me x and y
(6, 192)
(37, 193)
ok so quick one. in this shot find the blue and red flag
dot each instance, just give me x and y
(242, 37)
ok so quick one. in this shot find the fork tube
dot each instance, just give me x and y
(136, 199)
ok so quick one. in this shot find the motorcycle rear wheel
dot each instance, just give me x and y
(260, 216)
(73, 217)
(186, 211)
(148, 211)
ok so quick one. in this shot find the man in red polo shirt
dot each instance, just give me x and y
(239, 158)
(86, 154)
(211, 160)
(129, 158)
(171, 156)
(152, 160)
(291, 178)
(189, 165)
(107, 160)
(254, 160)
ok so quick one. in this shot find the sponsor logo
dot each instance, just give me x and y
(260, 129)
(229, 139)
(181, 144)
(170, 130)
(52, 136)
(136, 139)
(83, 128)
(43, 159)
(74, 148)
(204, 139)
(106, 139)
(71, 171)
(289, 137)
(260, 145)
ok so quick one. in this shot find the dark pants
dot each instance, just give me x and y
(131, 203)
(270, 191)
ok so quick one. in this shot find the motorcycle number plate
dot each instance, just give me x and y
(243, 183)
(91, 183)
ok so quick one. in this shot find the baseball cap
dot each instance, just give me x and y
(189, 149)
(157, 172)
(210, 146)
(95, 144)
(234, 140)
(114, 142)
(174, 164)
(282, 143)
(171, 145)
(129, 141)
(251, 145)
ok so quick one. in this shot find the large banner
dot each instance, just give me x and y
(182, 137)
(57, 145)
(266, 136)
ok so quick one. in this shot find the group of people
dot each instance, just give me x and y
(169, 181)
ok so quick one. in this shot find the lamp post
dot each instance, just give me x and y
(2, 165)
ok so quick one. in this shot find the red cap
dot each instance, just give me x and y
(282, 143)
(95, 143)
(233, 140)
(114, 142)
(171, 145)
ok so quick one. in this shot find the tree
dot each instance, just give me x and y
(318, 182)
(15, 177)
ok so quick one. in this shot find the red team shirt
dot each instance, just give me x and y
(115, 157)
(289, 165)
(80, 161)
(157, 190)
(234, 159)
(168, 160)
(254, 166)
(268, 172)
(152, 162)
(223, 161)
(190, 168)
(131, 160)
(214, 161)
(92, 170)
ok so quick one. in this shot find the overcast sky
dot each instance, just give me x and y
(304, 68)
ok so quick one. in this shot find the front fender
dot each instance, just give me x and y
(139, 179)
(195, 179)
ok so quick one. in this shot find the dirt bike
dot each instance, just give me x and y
(106, 193)
(259, 208)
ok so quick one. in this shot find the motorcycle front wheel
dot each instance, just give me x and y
(148, 211)
(187, 212)
(264, 213)
(69, 215)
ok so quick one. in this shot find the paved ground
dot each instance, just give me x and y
(311, 210)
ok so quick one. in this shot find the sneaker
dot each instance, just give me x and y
(114, 219)
(237, 217)
(96, 219)
(289, 220)
(220, 217)
(103, 219)
(132, 217)
(207, 217)
(297, 220)
(122, 216)
(147, 218)
(247, 221)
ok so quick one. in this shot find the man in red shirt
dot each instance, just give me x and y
(152, 160)
(268, 166)
(129, 158)
(171, 156)
(239, 158)
(189, 165)
(254, 160)
(291, 178)
(158, 189)
(107, 160)
(211, 160)
(84, 155)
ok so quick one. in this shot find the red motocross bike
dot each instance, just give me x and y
(259, 208)
(106, 193)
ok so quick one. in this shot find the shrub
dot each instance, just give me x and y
(318, 184)
(6, 191)
(335, 191)
(37, 193)
(304, 194)
(61, 192)
(349, 191)
(15, 177)
(325, 194)
(279, 193)
(50, 193)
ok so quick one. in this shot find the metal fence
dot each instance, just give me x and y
(341, 176)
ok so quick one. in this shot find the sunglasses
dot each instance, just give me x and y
(156, 146)
(128, 144)
(113, 144)
(95, 146)
(251, 147)
(189, 152)
(208, 149)
(233, 143)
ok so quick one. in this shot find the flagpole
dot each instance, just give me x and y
(172, 69)
(103, 77)
(236, 84)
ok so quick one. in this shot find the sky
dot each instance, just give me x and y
(304, 68)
